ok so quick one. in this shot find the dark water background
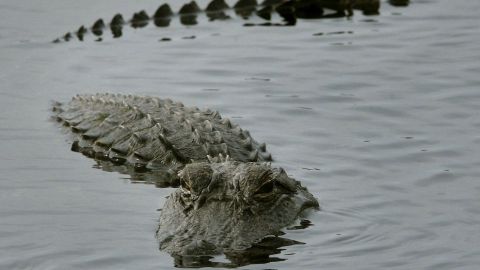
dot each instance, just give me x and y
(379, 117)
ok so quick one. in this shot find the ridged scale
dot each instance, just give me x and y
(152, 133)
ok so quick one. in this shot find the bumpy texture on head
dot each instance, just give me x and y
(228, 206)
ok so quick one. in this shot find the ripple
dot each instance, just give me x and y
(436, 179)
(346, 233)
(381, 111)
(376, 115)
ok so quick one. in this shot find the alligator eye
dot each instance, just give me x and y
(266, 188)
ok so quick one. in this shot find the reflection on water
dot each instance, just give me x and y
(399, 3)
(289, 11)
(384, 131)
(260, 253)
(159, 178)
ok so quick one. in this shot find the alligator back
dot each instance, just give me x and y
(288, 10)
(148, 133)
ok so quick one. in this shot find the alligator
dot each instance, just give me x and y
(288, 10)
(221, 171)
(229, 199)
(228, 206)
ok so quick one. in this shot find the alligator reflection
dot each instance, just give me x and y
(288, 10)
(399, 3)
(260, 253)
(159, 178)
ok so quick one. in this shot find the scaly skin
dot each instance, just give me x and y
(227, 201)
(288, 10)
(153, 134)
(229, 206)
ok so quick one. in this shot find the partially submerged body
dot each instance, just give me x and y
(228, 206)
(288, 10)
(151, 134)
(229, 197)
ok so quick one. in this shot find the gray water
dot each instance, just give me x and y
(378, 117)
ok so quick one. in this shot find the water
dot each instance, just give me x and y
(377, 116)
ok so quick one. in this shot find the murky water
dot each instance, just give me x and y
(377, 115)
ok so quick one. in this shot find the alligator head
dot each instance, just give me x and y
(229, 206)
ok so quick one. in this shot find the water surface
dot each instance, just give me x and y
(376, 115)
